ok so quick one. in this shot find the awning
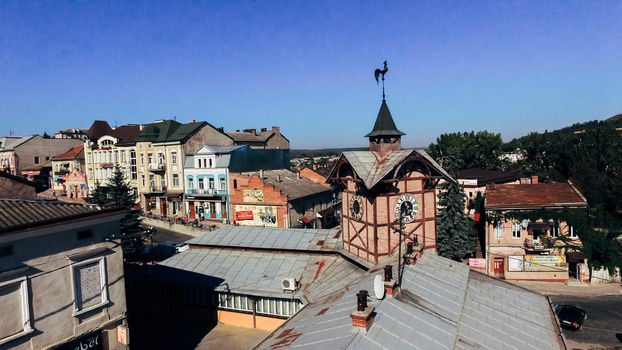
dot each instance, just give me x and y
(305, 220)
(172, 195)
(576, 256)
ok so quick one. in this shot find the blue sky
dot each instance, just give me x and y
(508, 67)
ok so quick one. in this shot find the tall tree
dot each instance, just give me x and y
(456, 237)
(480, 149)
(118, 193)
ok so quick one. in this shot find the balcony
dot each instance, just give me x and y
(157, 189)
(202, 192)
(156, 167)
(538, 245)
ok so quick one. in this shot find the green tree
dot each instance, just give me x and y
(480, 149)
(456, 237)
(118, 193)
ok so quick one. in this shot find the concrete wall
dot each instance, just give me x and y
(38, 146)
(45, 252)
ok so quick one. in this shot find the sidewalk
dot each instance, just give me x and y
(559, 288)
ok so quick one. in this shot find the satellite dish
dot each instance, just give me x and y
(525, 223)
(379, 287)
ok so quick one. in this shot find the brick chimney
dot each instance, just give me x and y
(276, 129)
(363, 317)
(534, 180)
(390, 285)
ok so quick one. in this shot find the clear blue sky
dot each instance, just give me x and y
(508, 67)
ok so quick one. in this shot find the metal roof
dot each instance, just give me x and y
(291, 185)
(271, 238)
(384, 125)
(533, 196)
(442, 305)
(260, 272)
(372, 170)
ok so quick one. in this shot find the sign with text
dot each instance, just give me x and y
(545, 263)
(256, 215)
(123, 335)
(516, 263)
(477, 263)
(90, 341)
(253, 196)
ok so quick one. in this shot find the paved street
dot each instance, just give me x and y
(164, 235)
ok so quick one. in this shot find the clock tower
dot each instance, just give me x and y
(384, 186)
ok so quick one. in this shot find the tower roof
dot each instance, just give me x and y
(384, 126)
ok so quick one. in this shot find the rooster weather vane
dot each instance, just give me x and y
(378, 73)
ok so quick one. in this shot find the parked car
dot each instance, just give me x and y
(570, 316)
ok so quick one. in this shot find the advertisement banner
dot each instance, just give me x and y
(256, 215)
(545, 263)
(516, 263)
(253, 196)
(477, 263)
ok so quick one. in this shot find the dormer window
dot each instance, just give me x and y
(107, 143)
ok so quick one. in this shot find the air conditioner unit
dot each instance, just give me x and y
(288, 284)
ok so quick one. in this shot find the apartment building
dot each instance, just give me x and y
(68, 177)
(61, 276)
(109, 148)
(161, 150)
(263, 139)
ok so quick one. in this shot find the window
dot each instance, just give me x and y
(150, 158)
(173, 157)
(235, 183)
(190, 183)
(15, 315)
(201, 185)
(36, 159)
(572, 233)
(499, 230)
(210, 163)
(151, 181)
(107, 143)
(133, 166)
(89, 285)
(161, 159)
(211, 183)
(142, 158)
(47, 158)
(142, 180)
(516, 230)
(84, 234)
(175, 180)
(223, 183)
(555, 230)
(212, 208)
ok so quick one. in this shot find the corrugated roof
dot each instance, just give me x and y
(534, 196)
(76, 152)
(17, 214)
(260, 272)
(443, 305)
(372, 170)
(271, 238)
(8, 142)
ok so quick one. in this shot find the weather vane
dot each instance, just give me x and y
(377, 75)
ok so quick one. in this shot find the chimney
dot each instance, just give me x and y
(278, 178)
(221, 129)
(525, 181)
(276, 129)
(534, 180)
(362, 317)
(298, 175)
(264, 129)
(192, 121)
(390, 284)
(252, 131)
(261, 173)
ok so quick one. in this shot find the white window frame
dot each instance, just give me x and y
(555, 230)
(26, 317)
(516, 230)
(571, 232)
(173, 157)
(103, 282)
(498, 230)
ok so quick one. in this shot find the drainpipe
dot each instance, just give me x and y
(487, 249)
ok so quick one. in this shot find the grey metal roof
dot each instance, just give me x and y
(260, 272)
(271, 238)
(289, 184)
(207, 149)
(372, 170)
(443, 305)
(9, 143)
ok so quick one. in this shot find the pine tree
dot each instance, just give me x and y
(455, 238)
(118, 193)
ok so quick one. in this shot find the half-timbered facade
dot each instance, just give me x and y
(384, 188)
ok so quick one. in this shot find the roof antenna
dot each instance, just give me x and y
(378, 73)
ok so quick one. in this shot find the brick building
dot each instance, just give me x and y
(264, 138)
(275, 198)
(14, 186)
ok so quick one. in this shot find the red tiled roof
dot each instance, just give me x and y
(533, 196)
(76, 152)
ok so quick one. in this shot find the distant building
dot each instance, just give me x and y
(68, 177)
(276, 198)
(206, 176)
(266, 139)
(61, 277)
(17, 187)
(30, 152)
(72, 133)
(107, 148)
(314, 176)
(530, 250)
(161, 148)
(475, 180)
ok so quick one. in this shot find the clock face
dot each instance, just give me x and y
(356, 208)
(407, 207)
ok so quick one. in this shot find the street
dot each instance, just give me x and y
(164, 235)
(604, 321)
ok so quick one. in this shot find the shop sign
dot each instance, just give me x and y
(123, 334)
(91, 341)
(256, 215)
(545, 263)
(253, 196)
(477, 263)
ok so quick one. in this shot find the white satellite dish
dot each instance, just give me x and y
(379, 286)
(525, 223)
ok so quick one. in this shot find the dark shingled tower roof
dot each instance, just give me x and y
(98, 129)
(384, 126)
